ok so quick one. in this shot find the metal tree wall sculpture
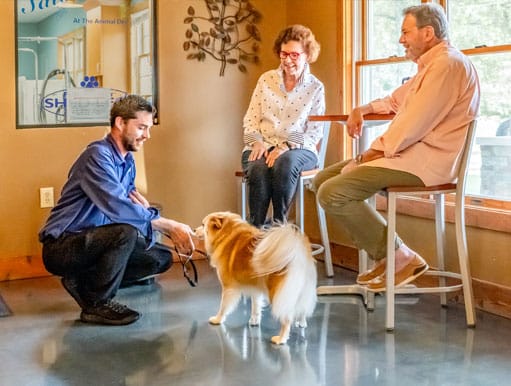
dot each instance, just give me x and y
(232, 37)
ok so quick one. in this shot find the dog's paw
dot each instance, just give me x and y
(301, 323)
(277, 339)
(255, 320)
(215, 320)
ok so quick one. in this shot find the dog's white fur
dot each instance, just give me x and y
(276, 264)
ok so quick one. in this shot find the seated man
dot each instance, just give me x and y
(421, 146)
(100, 235)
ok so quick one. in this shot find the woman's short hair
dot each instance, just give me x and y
(302, 34)
(430, 14)
(128, 106)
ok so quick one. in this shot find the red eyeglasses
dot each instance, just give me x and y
(292, 55)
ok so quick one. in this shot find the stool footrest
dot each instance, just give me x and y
(317, 249)
(434, 289)
(349, 289)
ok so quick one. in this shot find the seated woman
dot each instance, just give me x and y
(279, 140)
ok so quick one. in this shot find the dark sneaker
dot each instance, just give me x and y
(111, 313)
(72, 287)
(142, 282)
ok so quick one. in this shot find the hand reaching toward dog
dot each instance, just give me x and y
(179, 233)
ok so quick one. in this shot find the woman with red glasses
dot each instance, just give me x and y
(279, 140)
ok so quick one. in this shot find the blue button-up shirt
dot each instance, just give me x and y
(97, 193)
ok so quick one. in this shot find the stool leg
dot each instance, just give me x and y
(466, 279)
(391, 261)
(299, 205)
(244, 199)
(440, 241)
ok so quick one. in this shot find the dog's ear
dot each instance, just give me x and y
(217, 222)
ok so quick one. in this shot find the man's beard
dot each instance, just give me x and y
(129, 145)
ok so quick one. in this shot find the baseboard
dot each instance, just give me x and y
(489, 297)
(22, 267)
(27, 267)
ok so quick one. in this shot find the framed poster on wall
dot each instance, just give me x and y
(71, 53)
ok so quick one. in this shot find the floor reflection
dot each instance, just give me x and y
(43, 343)
(247, 350)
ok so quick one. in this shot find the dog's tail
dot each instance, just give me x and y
(277, 248)
(285, 251)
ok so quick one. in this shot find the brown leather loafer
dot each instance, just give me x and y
(409, 273)
(367, 276)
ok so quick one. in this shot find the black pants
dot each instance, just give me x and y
(101, 259)
(276, 184)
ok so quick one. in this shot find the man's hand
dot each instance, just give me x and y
(368, 155)
(137, 198)
(179, 233)
(349, 167)
(355, 121)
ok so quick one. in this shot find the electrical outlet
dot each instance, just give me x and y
(46, 197)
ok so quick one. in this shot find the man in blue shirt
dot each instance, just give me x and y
(100, 235)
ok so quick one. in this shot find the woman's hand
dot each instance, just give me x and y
(258, 150)
(272, 156)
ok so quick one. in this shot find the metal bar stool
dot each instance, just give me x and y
(439, 193)
(443, 287)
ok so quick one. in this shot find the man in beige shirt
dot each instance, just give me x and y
(421, 147)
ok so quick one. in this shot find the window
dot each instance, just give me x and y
(384, 27)
(485, 26)
(71, 54)
(141, 65)
(482, 31)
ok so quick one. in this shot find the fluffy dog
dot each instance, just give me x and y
(276, 264)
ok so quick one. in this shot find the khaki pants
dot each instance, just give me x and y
(343, 199)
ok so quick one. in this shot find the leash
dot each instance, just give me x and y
(189, 268)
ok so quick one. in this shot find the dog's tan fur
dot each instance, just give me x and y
(276, 264)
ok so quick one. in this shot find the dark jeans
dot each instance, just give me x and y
(276, 184)
(100, 259)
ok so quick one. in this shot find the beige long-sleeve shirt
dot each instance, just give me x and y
(433, 110)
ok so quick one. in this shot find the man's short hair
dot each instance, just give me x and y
(128, 106)
(430, 14)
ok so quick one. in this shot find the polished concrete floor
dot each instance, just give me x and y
(43, 343)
